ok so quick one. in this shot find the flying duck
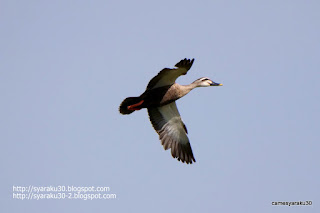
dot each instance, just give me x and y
(159, 99)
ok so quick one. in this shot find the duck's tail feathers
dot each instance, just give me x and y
(129, 105)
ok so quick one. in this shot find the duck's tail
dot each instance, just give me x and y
(130, 104)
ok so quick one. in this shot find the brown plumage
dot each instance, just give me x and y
(159, 98)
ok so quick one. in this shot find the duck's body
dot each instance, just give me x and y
(163, 95)
(159, 98)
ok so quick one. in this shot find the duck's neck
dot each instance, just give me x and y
(185, 89)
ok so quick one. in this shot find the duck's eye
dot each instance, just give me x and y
(205, 79)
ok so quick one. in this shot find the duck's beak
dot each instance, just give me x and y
(215, 84)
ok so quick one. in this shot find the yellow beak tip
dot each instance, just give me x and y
(220, 84)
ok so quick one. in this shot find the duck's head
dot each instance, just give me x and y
(205, 82)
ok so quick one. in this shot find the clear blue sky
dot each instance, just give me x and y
(65, 66)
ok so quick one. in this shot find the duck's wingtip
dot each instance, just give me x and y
(185, 63)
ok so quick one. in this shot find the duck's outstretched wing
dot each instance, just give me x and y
(172, 132)
(168, 76)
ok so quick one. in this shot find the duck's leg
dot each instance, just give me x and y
(135, 106)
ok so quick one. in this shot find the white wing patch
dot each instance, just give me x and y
(167, 122)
